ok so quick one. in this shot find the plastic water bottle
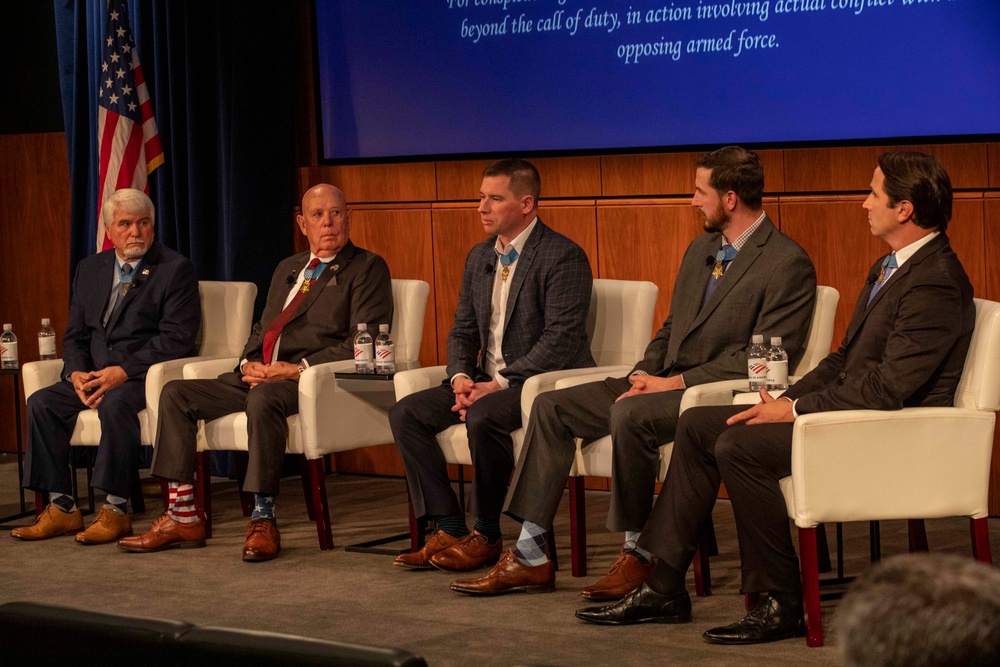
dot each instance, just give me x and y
(364, 354)
(46, 340)
(385, 352)
(777, 366)
(757, 363)
(8, 347)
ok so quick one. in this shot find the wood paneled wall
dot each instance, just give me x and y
(34, 246)
(632, 215)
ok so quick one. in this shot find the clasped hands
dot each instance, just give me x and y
(468, 392)
(91, 386)
(254, 372)
(768, 411)
(648, 384)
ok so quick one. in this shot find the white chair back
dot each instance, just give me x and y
(409, 300)
(618, 324)
(820, 336)
(979, 388)
(226, 317)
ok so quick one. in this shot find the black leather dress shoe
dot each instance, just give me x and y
(768, 621)
(643, 605)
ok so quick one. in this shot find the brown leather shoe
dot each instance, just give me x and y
(470, 554)
(166, 534)
(509, 576)
(263, 541)
(626, 575)
(421, 560)
(108, 526)
(52, 522)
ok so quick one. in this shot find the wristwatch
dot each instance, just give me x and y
(300, 367)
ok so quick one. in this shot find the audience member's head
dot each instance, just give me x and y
(922, 611)
(737, 169)
(921, 180)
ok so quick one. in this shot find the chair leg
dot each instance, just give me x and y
(917, 532)
(750, 600)
(203, 488)
(822, 549)
(165, 494)
(418, 527)
(241, 461)
(40, 502)
(980, 529)
(810, 587)
(875, 540)
(708, 541)
(321, 510)
(138, 502)
(577, 527)
(550, 548)
(90, 490)
(306, 486)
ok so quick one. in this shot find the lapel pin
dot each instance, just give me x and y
(145, 272)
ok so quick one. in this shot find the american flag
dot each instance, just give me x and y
(127, 140)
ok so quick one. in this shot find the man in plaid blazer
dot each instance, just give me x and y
(522, 310)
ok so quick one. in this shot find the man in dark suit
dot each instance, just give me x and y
(132, 307)
(740, 278)
(314, 305)
(522, 311)
(905, 346)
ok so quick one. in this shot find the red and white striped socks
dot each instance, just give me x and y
(180, 503)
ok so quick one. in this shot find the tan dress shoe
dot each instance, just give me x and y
(52, 522)
(263, 541)
(510, 575)
(166, 534)
(471, 553)
(421, 560)
(108, 526)
(627, 574)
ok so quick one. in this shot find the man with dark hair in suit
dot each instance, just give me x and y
(739, 278)
(905, 347)
(314, 305)
(522, 311)
(131, 307)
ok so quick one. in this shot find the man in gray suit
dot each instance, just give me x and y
(314, 305)
(905, 347)
(522, 310)
(740, 278)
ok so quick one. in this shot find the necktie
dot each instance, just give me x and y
(118, 293)
(888, 264)
(726, 254)
(279, 322)
(506, 261)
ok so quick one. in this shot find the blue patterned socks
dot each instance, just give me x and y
(263, 507)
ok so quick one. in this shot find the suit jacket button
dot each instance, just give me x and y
(843, 375)
(111, 348)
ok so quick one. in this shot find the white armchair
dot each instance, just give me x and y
(594, 459)
(334, 415)
(868, 465)
(619, 323)
(226, 314)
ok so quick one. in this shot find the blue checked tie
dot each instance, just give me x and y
(888, 266)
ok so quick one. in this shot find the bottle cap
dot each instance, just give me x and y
(8, 327)
(45, 321)
(775, 340)
(383, 328)
(758, 339)
(362, 326)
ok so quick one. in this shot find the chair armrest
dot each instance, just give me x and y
(857, 465)
(418, 379)
(338, 415)
(210, 369)
(570, 377)
(157, 378)
(37, 375)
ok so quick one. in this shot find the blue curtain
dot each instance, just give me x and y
(221, 76)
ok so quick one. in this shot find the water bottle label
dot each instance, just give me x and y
(777, 374)
(8, 352)
(46, 346)
(385, 359)
(757, 372)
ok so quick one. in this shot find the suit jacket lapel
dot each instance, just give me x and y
(338, 264)
(143, 272)
(524, 262)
